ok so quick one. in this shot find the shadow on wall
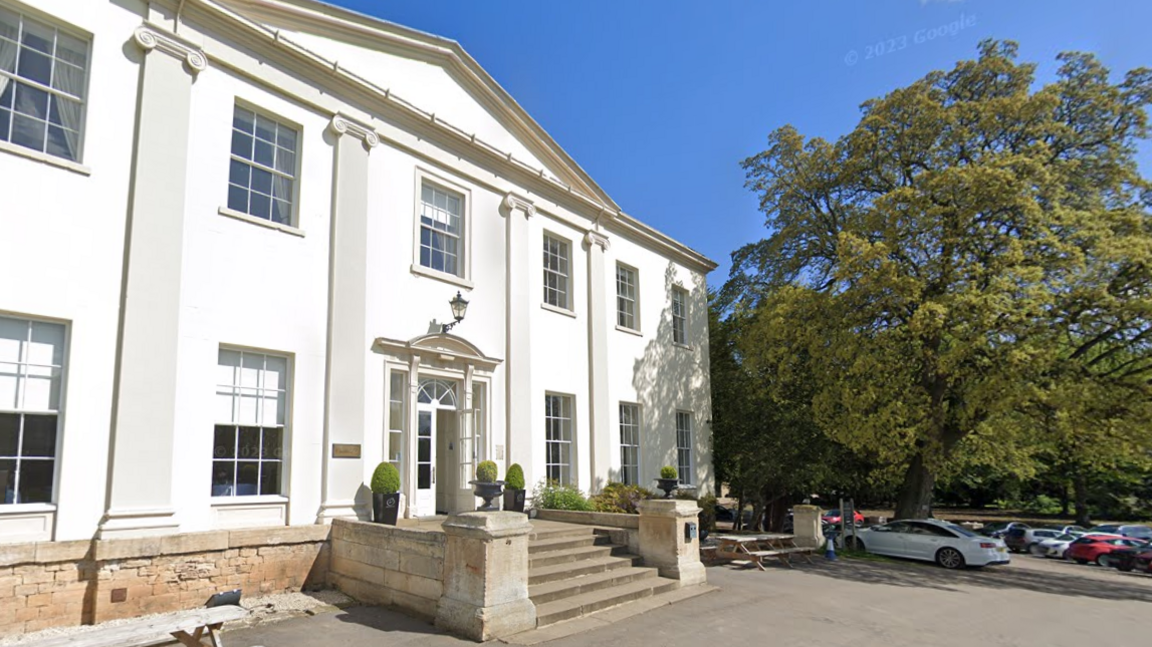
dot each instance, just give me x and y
(670, 378)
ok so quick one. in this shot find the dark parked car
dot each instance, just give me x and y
(1021, 539)
(999, 528)
(1131, 559)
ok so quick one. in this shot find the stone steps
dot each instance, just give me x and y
(573, 572)
(567, 570)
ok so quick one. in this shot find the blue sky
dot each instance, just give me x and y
(660, 100)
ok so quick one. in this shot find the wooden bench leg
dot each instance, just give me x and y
(193, 640)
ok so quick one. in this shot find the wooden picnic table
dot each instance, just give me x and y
(755, 548)
(189, 628)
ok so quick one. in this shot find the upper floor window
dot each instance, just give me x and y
(262, 173)
(248, 444)
(556, 272)
(441, 230)
(626, 297)
(684, 446)
(31, 363)
(679, 316)
(43, 81)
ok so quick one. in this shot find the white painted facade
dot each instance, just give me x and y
(132, 250)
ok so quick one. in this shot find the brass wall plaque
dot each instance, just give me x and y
(340, 450)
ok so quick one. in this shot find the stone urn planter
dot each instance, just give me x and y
(486, 486)
(669, 480)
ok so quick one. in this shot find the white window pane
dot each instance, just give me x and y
(275, 372)
(426, 193)
(47, 345)
(225, 406)
(42, 392)
(8, 382)
(250, 370)
(12, 335)
(227, 365)
(247, 411)
(273, 412)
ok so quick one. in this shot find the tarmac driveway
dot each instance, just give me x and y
(848, 602)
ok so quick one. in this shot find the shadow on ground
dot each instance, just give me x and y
(1129, 586)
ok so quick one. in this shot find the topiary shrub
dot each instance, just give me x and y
(486, 472)
(553, 496)
(514, 479)
(385, 479)
(617, 497)
(668, 472)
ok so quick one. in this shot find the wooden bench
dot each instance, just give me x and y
(755, 548)
(186, 627)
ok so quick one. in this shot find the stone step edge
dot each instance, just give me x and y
(566, 555)
(579, 568)
(587, 603)
(572, 587)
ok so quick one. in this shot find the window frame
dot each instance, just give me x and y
(22, 12)
(546, 271)
(570, 442)
(464, 261)
(293, 226)
(637, 429)
(635, 298)
(58, 412)
(285, 429)
(691, 433)
(679, 333)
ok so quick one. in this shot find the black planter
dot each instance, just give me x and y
(668, 486)
(514, 500)
(487, 491)
(385, 507)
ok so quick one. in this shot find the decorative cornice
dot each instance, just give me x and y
(342, 125)
(597, 238)
(513, 202)
(150, 38)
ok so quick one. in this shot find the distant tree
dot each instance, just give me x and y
(972, 249)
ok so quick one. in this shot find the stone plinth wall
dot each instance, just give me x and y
(58, 584)
(388, 565)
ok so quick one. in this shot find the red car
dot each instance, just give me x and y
(1095, 548)
(833, 516)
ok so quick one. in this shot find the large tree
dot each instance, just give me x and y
(939, 261)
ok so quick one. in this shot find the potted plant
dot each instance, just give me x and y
(486, 486)
(668, 480)
(514, 493)
(385, 487)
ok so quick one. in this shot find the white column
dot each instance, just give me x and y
(410, 437)
(518, 344)
(349, 343)
(599, 433)
(141, 455)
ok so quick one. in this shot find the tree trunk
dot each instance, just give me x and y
(738, 524)
(1080, 492)
(915, 498)
(1065, 502)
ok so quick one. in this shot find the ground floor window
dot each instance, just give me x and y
(558, 438)
(684, 446)
(31, 365)
(629, 444)
(397, 420)
(248, 442)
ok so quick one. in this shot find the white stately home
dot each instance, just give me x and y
(229, 235)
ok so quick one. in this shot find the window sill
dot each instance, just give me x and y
(679, 345)
(558, 310)
(629, 331)
(442, 276)
(239, 215)
(266, 499)
(26, 508)
(44, 158)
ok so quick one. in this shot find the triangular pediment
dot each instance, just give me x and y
(433, 74)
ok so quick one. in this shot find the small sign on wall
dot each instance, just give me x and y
(343, 450)
(499, 452)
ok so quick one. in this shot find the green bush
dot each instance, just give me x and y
(553, 496)
(668, 472)
(1044, 504)
(514, 479)
(707, 505)
(385, 479)
(617, 497)
(486, 472)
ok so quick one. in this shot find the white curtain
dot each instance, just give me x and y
(71, 80)
(7, 59)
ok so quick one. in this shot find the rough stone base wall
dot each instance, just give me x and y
(56, 584)
(388, 565)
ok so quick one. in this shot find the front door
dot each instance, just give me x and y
(425, 503)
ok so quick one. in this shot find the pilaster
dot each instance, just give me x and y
(139, 499)
(346, 411)
(518, 347)
(599, 432)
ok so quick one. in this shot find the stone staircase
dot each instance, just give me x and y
(575, 571)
